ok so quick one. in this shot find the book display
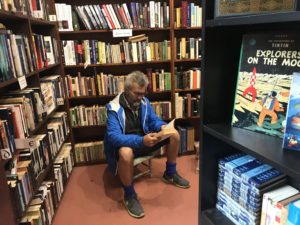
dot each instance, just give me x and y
(246, 177)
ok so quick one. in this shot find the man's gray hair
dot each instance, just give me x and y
(136, 77)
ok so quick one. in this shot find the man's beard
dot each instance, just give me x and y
(136, 104)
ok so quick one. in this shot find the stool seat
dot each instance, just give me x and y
(144, 161)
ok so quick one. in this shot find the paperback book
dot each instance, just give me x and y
(291, 138)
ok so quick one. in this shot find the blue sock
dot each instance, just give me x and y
(129, 191)
(170, 168)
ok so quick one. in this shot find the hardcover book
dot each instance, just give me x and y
(291, 138)
(267, 62)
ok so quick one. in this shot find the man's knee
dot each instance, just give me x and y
(175, 137)
(126, 154)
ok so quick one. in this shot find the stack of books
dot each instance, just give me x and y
(241, 184)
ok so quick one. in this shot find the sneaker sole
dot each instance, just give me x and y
(177, 185)
(131, 214)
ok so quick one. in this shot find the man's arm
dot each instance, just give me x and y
(117, 137)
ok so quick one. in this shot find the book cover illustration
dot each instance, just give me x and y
(292, 132)
(267, 62)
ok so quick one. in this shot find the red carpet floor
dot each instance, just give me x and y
(93, 197)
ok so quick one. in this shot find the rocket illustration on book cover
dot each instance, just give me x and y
(267, 62)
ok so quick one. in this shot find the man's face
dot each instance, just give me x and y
(135, 94)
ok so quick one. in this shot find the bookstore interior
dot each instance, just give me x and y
(227, 71)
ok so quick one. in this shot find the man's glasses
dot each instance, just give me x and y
(139, 94)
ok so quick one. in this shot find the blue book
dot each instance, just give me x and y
(291, 139)
(246, 167)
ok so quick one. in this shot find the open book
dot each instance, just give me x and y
(166, 131)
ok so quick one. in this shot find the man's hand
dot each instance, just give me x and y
(150, 139)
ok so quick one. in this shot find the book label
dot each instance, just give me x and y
(22, 82)
(25, 143)
(122, 33)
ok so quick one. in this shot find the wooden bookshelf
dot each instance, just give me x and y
(27, 25)
(153, 34)
(222, 38)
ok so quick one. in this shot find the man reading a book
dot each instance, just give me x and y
(134, 130)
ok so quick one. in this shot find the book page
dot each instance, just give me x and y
(167, 131)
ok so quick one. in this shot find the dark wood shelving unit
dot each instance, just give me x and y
(27, 26)
(221, 39)
(157, 34)
(34, 73)
(263, 18)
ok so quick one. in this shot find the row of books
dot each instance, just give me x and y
(188, 48)
(187, 139)
(188, 15)
(19, 116)
(100, 84)
(159, 80)
(162, 109)
(88, 115)
(187, 105)
(20, 58)
(22, 110)
(28, 165)
(52, 88)
(97, 52)
(108, 84)
(113, 16)
(89, 152)
(187, 79)
(58, 130)
(35, 8)
(44, 203)
(250, 190)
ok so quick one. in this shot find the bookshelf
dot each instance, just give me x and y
(155, 34)
(222, 39)
(28, 24)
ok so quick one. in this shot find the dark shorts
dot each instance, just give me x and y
(139, 152)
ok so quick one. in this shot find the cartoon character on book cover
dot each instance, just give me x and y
(267, 62)
(292, 132)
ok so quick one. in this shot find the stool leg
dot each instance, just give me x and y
(150, 167)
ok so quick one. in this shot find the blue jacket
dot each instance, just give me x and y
(115, 133)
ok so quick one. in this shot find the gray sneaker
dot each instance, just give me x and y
(176, 179)
(133, 207)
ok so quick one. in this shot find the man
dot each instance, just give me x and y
(131, 132)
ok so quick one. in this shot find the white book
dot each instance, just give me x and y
(134, 52)
(49, 49)
(271, 195)
(127, 15)
(113, 16)
(16, 55)
(152, 14)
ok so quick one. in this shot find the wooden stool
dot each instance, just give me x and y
(145, 161)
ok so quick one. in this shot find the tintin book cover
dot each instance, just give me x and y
(267, 62)
(292, 132)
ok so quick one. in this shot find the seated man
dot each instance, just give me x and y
(131, 132)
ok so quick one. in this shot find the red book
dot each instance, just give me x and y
(184, 8)
(107, 15)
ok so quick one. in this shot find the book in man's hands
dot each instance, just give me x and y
(167, 131)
